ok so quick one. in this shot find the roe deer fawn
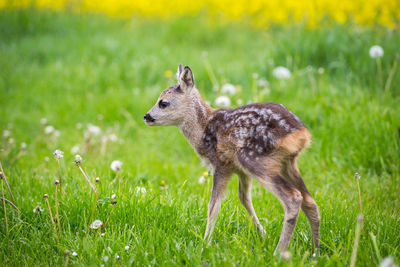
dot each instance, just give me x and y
(260, 140)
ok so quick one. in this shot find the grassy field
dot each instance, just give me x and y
(76, 70)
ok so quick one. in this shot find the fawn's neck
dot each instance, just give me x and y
(196, 120)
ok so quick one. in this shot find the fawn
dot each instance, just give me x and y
(260, 140)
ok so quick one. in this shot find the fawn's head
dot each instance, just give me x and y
(173, 103)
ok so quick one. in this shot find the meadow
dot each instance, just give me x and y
(81, 83)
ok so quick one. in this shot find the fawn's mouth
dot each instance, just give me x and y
(148, 119)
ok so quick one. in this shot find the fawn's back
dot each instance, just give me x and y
(253, 131)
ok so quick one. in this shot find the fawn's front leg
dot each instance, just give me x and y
(220, 181)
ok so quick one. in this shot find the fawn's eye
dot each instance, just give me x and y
(163, 104)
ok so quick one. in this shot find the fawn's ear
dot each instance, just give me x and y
(185, 78)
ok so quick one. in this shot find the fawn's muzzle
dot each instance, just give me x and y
(148, 118)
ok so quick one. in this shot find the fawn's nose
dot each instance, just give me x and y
(148, 118)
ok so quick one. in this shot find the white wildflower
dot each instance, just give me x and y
(75, 149)
(126, 248)
(228, 89)
(97, 179)
(43, 121)
(93, 129)
(113, 196)
(74, 254)
(223, 101)
(202, 179)
(105, 258)
(117, 256)
(281, 73)
(388, 262)
(58, 154)
(116, 165)
(49, 129)
(96, 224)
(103, 234)
(140, 191)
(376, 51)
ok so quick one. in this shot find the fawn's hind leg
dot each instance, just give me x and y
(220, 182)
(309, 206)
(267, 171)
(291, 200)
(245, 198)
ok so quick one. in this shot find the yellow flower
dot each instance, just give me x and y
(168, 74)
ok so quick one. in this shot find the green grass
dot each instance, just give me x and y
(72, 68)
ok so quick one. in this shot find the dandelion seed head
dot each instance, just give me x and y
(113, 196)
(140, 191)
(23, 146)
(105, 258)
(56, 134)
(202, 180)
(74, 254)
(46, 159)
(11, 141)
(93, 129)
(116, 165)
(376, 51)
(228, 89)
(78, 159)
(117, 256)
(48, 129)
(263, 83)
(113, 137)
(57, 182)
(103, 234)
(321, 70)
(126, 248)
(58, 154)
(75, 149)
(38, 209)
(96, 224)
(223, 101)
(281, 73)
(286, 255)
(6, 133)
(45, 196)
(388, 262)
(97, 180)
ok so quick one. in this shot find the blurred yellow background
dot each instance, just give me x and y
(257, 12)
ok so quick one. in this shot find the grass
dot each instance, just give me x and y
(80, 69)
